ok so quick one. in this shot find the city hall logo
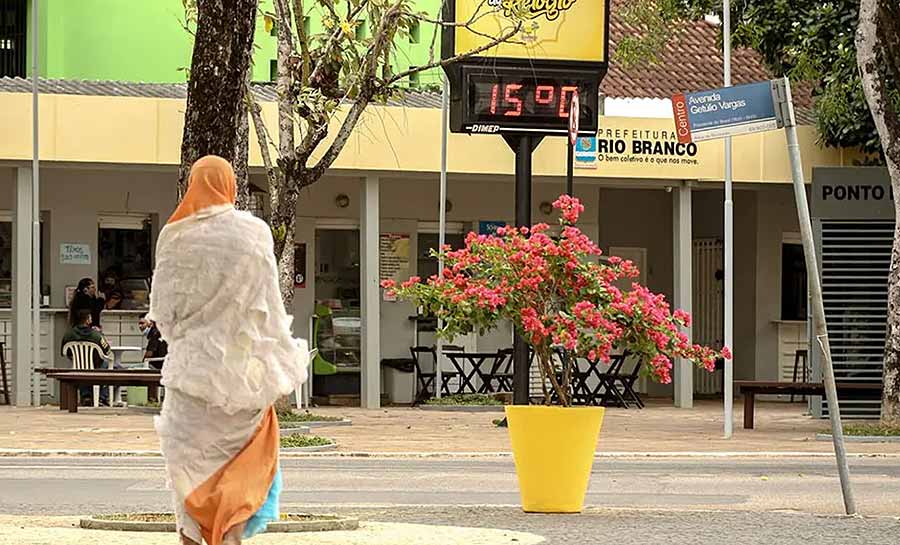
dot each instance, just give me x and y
(532, 9)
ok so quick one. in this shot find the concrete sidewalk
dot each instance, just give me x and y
(64, 530)
(660, 428)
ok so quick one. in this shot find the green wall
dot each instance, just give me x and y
(143, 40)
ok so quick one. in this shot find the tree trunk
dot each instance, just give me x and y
(223, 45)
(879, 64)
(283, 222)
(242, 152)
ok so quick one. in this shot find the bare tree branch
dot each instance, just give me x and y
(303, 39)
(262, 137)
(444, 62)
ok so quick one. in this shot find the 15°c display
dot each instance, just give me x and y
(527, 101)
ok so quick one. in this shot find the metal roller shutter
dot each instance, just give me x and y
(855, 257)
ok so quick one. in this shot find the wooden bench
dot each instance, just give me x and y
(71, 379)
(750, 388)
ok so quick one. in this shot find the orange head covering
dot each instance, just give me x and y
(211, 183)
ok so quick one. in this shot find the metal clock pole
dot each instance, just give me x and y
(523, 146)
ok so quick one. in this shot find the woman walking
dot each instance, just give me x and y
(231, 355)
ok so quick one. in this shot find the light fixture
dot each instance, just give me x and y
(342, 201)
(546, 208)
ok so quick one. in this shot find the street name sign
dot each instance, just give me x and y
(730, 111)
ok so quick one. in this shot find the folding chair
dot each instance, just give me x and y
(426, 379)
(82, 355)
(4, 379)
(606, 390)
(628, 395)
(504, 378)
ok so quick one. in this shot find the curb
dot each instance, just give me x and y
(297, 430)
(861, 438)
(328, 523)
(327, 423)
(143, 410)
(463, 408)
(325, 451)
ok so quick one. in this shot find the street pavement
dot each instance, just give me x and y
(631, 500)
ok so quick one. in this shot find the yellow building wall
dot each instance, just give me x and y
(135, 130)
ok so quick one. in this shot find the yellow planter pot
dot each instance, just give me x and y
(554, 452)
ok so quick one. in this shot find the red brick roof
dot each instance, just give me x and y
(692, 61)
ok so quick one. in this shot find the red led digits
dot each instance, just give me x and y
(494, 99)
(566, 92)
(543, 94)
(510, 89)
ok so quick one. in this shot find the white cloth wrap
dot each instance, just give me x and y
(216, 301)
(197, 440)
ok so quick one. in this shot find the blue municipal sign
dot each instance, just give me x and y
(729, 111)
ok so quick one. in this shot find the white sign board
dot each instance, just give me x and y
(73, 253)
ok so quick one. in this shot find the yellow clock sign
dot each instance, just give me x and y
(552, 30)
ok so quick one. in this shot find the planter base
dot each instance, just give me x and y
(554, 451)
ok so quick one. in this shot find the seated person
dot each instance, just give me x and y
(156, 347)
(82, 331)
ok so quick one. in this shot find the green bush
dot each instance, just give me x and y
(480, 400)
(298, 441)
(306, 416)
(871, 430)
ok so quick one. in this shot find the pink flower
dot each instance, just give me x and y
(388, 284)
(682, 317)
(726, 353)
(413, 280)
(570, 207)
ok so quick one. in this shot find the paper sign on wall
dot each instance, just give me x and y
(74, 254)
(393, 259)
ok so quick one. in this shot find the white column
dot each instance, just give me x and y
(370, 296)
(683, 247)
(22, 287)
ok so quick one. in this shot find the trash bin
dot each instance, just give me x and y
(399, 380)
(136, 395)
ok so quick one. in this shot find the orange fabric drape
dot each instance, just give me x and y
(212, 183)
(238, 489)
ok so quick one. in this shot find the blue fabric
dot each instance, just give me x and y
(269, 512)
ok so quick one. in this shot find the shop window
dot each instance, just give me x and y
(13, 38)
(6, 260)
(337, 285)
(5, 263)
(427, 266)
(362, 28)
(306, 26)
(125, 260)
(273, 70)
(414, 33)
(413, 79)
(793, 282)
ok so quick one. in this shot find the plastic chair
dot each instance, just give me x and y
(320, 366)
(82, 355)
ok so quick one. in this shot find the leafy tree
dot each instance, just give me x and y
(847, 51)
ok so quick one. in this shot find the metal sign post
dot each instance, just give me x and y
(574, 114)
(757, 107)
(782, 91)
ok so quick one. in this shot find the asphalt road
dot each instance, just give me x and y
(673, 501)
